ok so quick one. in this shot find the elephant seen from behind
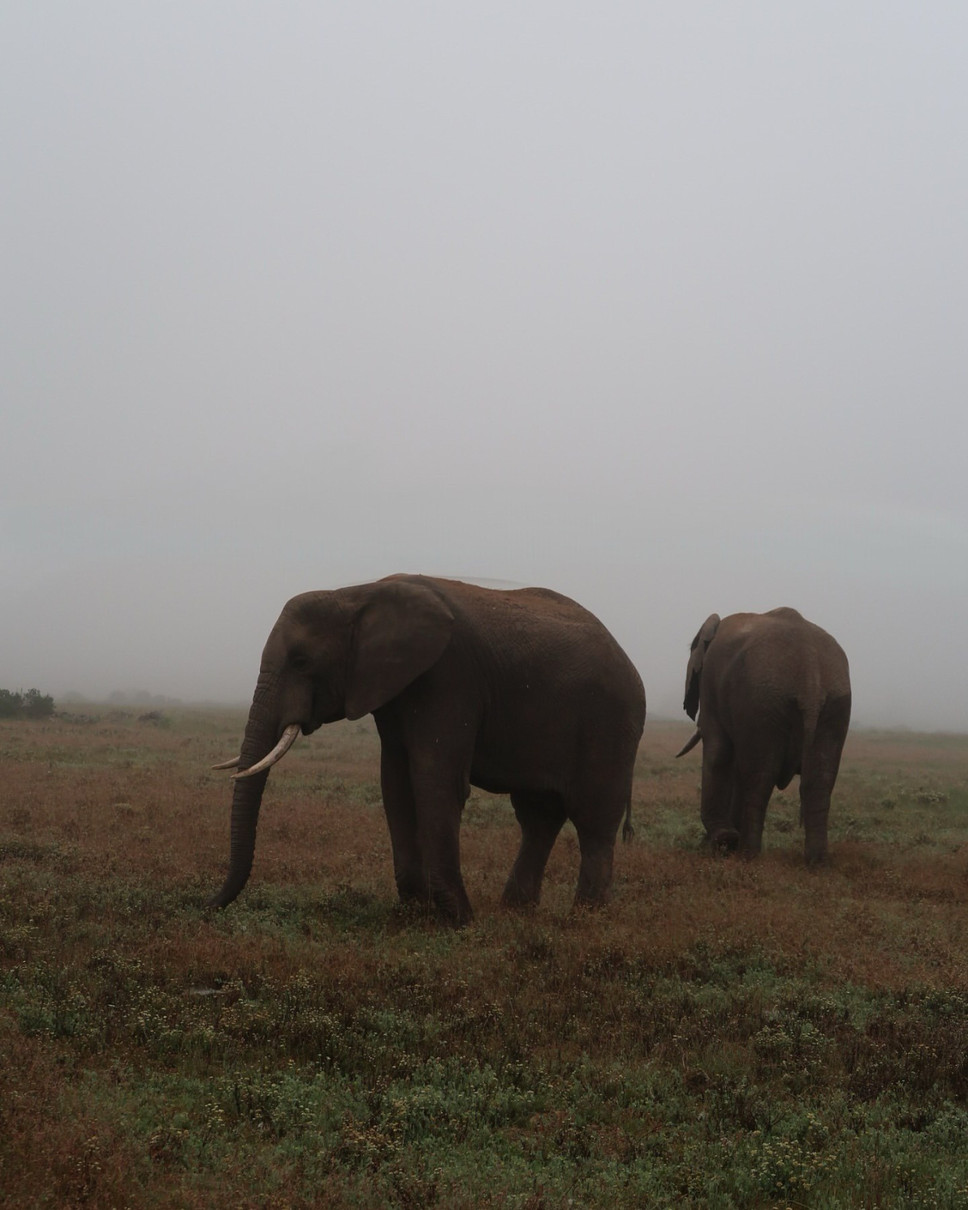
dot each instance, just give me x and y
(521, 692)
(773, 695)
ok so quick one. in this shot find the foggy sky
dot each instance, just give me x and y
(662, 305)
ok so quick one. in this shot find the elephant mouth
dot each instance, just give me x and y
(286, 741)
(318, 717)
(323, 711)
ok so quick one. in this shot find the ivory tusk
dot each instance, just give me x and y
(229, 764)
(277, 753)
(690, 744)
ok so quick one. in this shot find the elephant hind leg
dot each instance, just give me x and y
(814, 813)
(752, 798)
(540, 816)
(821, 763)
(595, 873)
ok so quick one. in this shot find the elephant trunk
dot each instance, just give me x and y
(260, 737)
(246, 800)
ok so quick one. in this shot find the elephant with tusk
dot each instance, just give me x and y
(773, 695)
(521, 692)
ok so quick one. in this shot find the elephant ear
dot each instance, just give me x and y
(707, 632)
(401, 631)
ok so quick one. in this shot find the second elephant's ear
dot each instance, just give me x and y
(401, 631)
(707, 632)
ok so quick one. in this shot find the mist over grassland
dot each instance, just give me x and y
(660, 307)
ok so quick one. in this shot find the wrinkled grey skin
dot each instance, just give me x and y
(773, 695)
(521, 692)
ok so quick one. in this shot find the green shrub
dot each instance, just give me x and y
(32, 704)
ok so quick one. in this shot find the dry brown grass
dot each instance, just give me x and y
(149, 1045)
(138, 802)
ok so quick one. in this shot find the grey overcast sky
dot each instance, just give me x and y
(663, 305)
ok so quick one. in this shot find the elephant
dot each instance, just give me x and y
(519, 692)
(773, 695)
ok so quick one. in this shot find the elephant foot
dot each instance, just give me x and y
(521, 907)
(722, 840)
(595, 871)
(454, 920)
(410, 914)
(453, 908)
(413, 889)
(520, 897)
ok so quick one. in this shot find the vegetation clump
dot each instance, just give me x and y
(32, 704)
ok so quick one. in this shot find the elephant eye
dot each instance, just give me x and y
(299, 661)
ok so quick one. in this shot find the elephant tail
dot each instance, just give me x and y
(627, 830)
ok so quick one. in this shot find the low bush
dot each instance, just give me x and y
(32, 704)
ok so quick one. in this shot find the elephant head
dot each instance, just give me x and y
(700, 644)
(722, 835)
(331, 655)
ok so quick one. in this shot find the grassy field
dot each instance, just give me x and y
(724, 1034)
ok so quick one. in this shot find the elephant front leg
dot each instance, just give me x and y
(398, 805)
(541, 817)
(439, 799)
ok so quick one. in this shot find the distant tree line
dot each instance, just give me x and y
(32, 704)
